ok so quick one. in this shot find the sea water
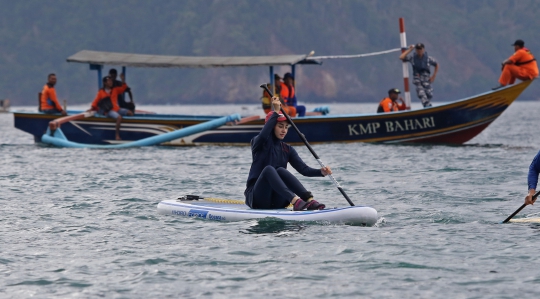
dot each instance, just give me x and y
(83, 222)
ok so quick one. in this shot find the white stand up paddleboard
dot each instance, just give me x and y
(235, 210)
(526, 220)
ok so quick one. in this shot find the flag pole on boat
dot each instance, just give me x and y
(310, 148)
(403, 39)
(520, 208)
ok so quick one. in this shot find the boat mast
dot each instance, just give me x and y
(403, 39)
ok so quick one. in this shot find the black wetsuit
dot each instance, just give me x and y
(270, 185)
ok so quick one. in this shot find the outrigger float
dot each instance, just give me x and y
(452, 123)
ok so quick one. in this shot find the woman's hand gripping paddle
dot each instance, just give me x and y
(520, 208)
(310, 149)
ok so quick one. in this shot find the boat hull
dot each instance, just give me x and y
(453, 123)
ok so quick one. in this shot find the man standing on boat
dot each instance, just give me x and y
(48, 102)
(106, 102)
(422, 78)
(521, 65)
(390, 103)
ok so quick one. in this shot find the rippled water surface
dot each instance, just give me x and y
(84, 223)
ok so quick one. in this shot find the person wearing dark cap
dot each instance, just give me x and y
(390, 103)
(521, 65)
(422, 78)
(270, 185)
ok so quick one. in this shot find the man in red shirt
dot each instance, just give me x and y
(521, 65)
(390, 103)
(48, 103)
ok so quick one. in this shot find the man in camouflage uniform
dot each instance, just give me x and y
(422, 77)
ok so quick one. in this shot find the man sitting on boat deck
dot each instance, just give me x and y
(113, 73)
(106, 102)
(422, 78)
(290, 97)
(283, 91)
(48, 102)
(521, 65)
(280, 90)
(390, 103)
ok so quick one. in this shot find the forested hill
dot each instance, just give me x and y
(468, 38)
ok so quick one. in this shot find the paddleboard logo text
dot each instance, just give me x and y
(405, 125)
(179, 213)
(197, 213)
(216, 217)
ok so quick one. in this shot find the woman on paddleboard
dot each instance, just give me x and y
(270, 185)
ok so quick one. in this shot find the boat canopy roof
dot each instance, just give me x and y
(164, 61)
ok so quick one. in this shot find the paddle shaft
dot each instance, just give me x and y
(310, 148)
(520, 208)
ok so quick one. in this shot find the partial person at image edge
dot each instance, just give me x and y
(520, 65)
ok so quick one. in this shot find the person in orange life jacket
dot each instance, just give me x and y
(106, 102)
(284, 94)
(521, 65)
(266, 100)
(291, 101)
(113, 73)
(390, 103)
(270, 185)
(48, 102)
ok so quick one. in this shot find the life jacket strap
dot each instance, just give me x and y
(525, 62)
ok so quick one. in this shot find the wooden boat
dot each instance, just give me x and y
(452, 123)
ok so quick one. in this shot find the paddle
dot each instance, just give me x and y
(520, 208)
(310, 148)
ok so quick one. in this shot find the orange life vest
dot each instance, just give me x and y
(48, 99)
(387, 105)
(113, 95)
(525, 60)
